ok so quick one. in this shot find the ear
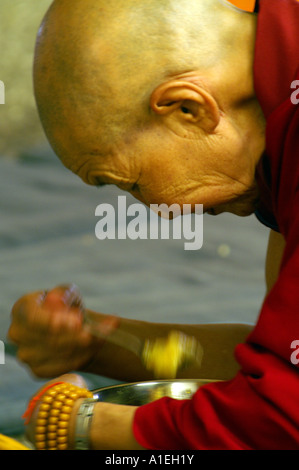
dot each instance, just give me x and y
(187, 102)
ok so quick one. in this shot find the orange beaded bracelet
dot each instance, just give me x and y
(55, 408)
(33, 402)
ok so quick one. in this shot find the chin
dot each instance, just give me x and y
(241, 210)
(244, 206)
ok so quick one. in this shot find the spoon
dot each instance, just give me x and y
(164, 356)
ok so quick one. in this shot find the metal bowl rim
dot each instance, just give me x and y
(150, 383)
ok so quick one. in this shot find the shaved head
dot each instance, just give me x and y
(97, 62)
(154, 96)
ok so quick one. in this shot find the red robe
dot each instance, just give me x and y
(259, 408)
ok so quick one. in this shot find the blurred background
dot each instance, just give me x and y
(47, 234)
(19, 23)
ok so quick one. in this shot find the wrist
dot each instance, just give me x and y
(55, 415)
(92, 362)
(89, 365)
(72, 424)
(102, 326)
(80, 424)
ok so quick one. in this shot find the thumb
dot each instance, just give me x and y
(62, 297)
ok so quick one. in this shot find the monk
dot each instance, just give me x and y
(186, 102)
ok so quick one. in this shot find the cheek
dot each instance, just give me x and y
(166, 181)
(234, 158)
(164, 187)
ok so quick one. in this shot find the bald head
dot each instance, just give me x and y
(97, 63)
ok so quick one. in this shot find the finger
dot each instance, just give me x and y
(71, 378)
(21, 307)
(74, 379)
(72, 297)
(62, 309)
(65, 327)
(26, 319)
(68, 295)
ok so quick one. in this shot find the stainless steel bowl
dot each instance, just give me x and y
(141, 393)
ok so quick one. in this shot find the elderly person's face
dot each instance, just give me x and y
(197, 145)
(173, 164)
(208, 162)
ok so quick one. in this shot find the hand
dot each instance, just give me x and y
(31, 424)
(48, 329)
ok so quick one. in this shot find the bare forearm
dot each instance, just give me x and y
(217, 340)
(111, 427)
